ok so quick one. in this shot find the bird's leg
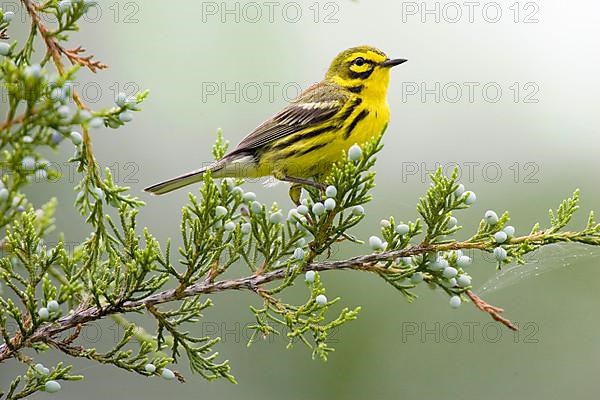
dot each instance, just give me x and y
(295, 193)
(297, 183)
(300, 181)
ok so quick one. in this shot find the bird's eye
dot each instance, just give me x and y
(359, 61)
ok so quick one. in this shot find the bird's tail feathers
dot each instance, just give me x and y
(232, 165)
(177, 182)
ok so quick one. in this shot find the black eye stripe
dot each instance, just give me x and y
(367, 67)
(364, 61)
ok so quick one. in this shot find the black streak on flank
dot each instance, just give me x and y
(356, 89)
(310, 149)
(348, 112)
(363, 114)
(294, 139)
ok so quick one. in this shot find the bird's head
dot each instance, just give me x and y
(364, 70)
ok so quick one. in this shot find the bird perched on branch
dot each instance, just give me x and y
(307, 137)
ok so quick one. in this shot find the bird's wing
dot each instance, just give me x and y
(315, 105)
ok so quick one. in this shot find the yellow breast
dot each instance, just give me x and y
(373, 124)
(315, 157)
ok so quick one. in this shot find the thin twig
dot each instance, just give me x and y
(17, 120)
(55, 50)
(492, 310)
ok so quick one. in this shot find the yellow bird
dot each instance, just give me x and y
(308, 136)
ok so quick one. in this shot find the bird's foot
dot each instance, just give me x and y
(297, 183)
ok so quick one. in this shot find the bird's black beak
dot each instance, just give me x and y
(393, 63)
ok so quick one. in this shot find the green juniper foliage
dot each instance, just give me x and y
(50, 293)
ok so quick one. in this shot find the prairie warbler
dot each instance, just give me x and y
(304, 139)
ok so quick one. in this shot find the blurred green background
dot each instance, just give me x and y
(211, 65)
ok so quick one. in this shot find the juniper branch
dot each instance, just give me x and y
(366, 263)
